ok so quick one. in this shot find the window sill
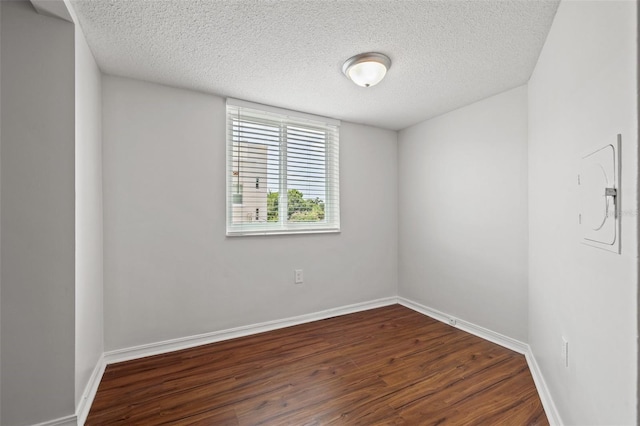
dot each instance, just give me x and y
(282, 232)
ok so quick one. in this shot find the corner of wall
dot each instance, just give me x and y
(0, 207)
(638, 215)
(397, 153)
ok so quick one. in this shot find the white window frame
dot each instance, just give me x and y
(331, 222)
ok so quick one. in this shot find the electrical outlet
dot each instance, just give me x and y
(452, 321)
(298, 276)
(565, 352)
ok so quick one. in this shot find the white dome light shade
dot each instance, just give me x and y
(367, 74)
(367, 69)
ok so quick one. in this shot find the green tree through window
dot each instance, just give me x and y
(300, 209)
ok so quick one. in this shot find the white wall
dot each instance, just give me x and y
(0, 210)
(583, 92)
(463, 213)
(37, 197)
(169, 269)
(88, 296)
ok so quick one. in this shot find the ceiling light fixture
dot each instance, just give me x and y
(367, 69)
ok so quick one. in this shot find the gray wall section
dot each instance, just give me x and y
(37, 198)
(0, 212)
(463, 213)
(583, 93)
(169, 269)
(89, 312)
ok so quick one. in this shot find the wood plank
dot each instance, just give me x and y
(386, 366)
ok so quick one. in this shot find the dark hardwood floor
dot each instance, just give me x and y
(384, 366)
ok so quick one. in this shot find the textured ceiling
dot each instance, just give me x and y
(289, 53)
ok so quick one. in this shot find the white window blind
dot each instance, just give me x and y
(282, 171)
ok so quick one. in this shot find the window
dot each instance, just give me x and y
(237, 194)
(283, 167)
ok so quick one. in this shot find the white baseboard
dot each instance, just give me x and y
(141, 351)
(62, 421)
(543, 391)
(82, 410)
(515, 345)
(469, 327)
(157, 348)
